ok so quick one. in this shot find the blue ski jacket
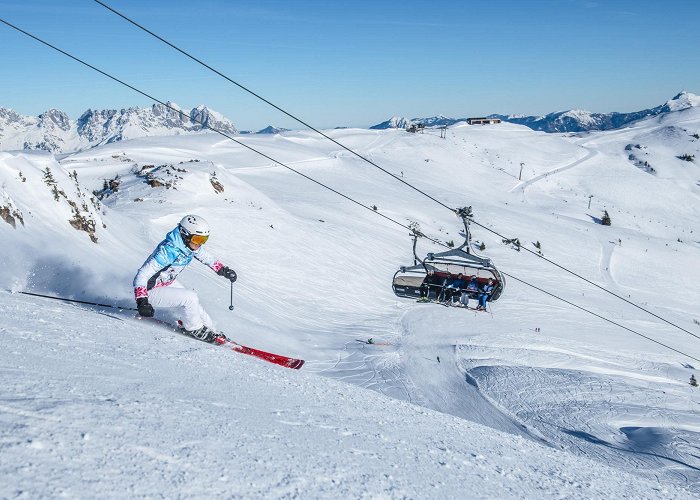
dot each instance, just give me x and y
(167, 261)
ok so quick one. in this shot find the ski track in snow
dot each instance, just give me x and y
(586, 414)
(590, 153)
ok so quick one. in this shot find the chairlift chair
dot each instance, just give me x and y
(427, 276)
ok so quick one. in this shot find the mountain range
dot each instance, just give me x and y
(55, 132)
(575, 120)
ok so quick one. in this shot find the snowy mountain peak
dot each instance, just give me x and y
(54, 118)
(202, 116)
(683, 100)
(393, 122)
(9, 117)
(270, 129)
(54, 131)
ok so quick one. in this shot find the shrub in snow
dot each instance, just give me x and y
(216, 184)
(82, 218)
(415, 228)
(641, 164)
(50, 181)
(161, 176)
(11, 215)
(515, 242)
(538, 246)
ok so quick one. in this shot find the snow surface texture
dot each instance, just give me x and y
(536, 399)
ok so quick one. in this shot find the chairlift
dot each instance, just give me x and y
(426, 278)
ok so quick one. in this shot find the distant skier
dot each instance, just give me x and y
(155, 280)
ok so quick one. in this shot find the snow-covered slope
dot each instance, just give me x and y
(107, 406)
(54, 131)
(462, 403)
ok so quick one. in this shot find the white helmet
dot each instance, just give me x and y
(194, 228)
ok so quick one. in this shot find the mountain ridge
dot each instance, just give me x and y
(573, 120)
(55, 132)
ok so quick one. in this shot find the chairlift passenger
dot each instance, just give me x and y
(453, 288)
(484, 295)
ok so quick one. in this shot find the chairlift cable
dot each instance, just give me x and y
(299, 120)
(601, 317)
(589, 281)
(315, 181)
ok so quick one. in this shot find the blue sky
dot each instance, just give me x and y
(340, 63)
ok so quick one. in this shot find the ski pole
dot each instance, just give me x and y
(80, 301)
(230, 308)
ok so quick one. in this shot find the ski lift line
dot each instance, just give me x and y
(590, 282)
(212, 129)
(258, 96)
(246, 89)
(601, 317)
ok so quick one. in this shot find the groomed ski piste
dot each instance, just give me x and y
(533, 398)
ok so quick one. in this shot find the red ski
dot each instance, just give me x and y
(277, 359)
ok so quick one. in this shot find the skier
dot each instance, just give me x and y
(155, 282)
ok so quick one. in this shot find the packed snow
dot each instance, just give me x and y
(534, 398)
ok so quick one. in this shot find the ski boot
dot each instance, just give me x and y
(207, 335)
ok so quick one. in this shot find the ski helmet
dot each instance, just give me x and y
(195, 229)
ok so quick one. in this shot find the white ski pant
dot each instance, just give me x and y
(175, 295)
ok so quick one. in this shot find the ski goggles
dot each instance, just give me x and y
(199, 239)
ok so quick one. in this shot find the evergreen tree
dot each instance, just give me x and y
(606, 219)
(51, 182)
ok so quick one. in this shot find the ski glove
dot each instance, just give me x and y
(227, 273)
(145, 309)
